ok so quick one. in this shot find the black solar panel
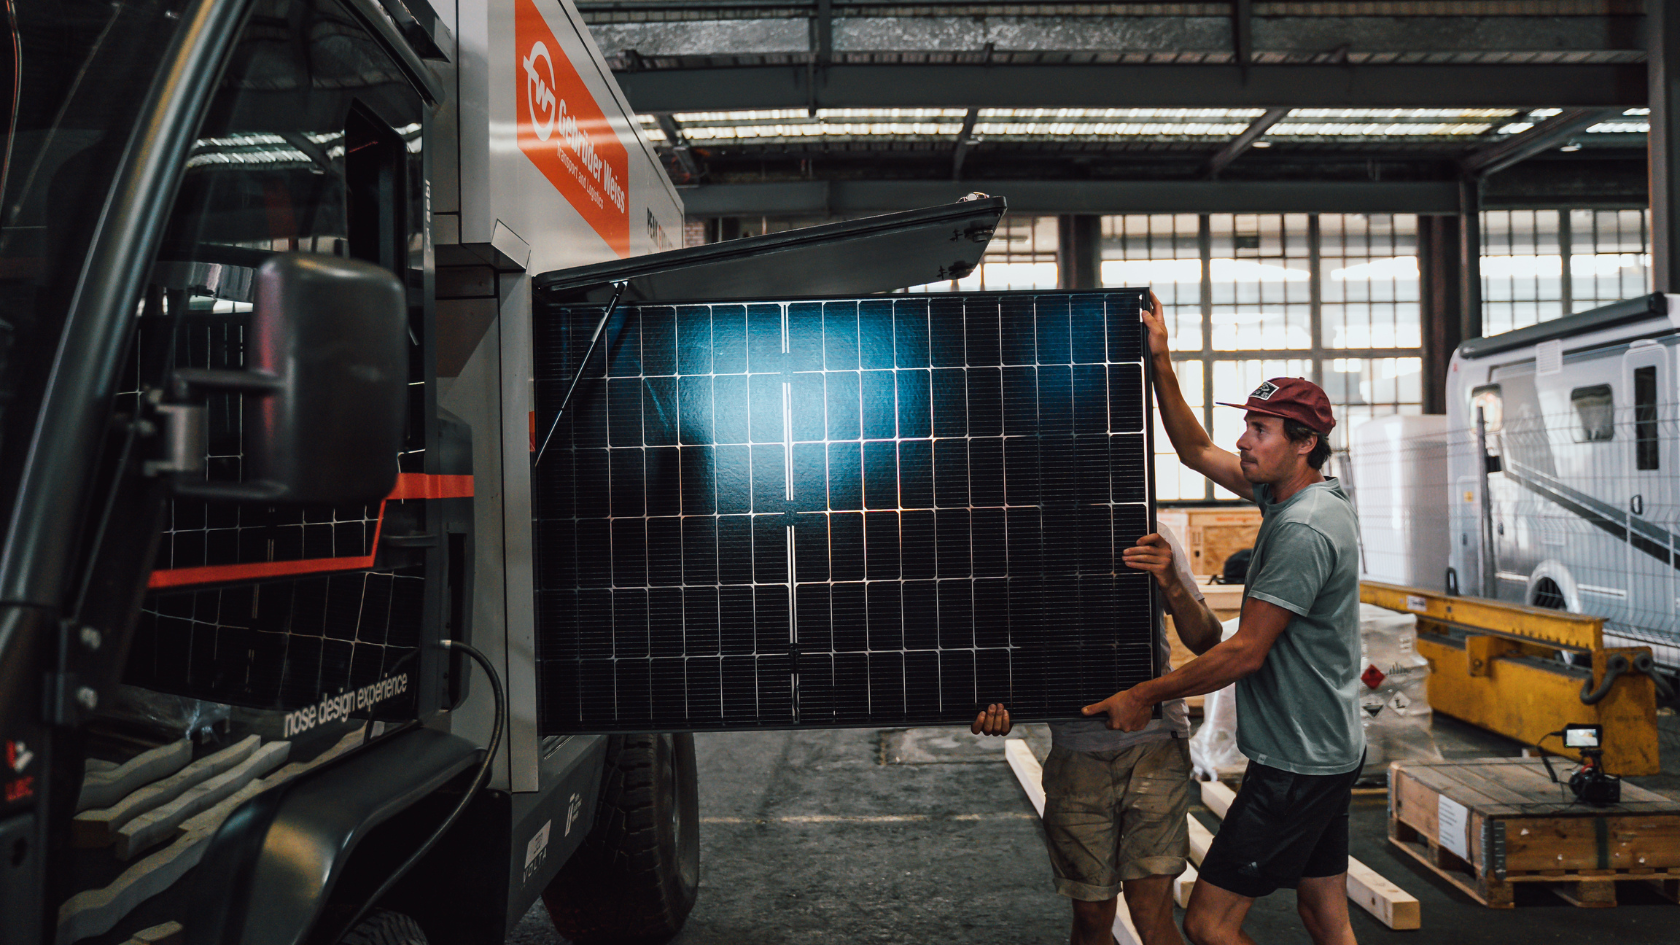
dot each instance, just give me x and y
(841, 512)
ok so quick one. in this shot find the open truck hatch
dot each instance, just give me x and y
(836, 510)
(855, 257)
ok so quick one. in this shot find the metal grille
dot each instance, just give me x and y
(847, 512)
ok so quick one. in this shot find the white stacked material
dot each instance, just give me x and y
(1393, 691)
(1400, 487)
(1213, 749)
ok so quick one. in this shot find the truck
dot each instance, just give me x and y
(268, 669)
(1561, 454)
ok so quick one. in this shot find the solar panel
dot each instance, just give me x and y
(840, 512)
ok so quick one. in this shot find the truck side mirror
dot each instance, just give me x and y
(325, 388)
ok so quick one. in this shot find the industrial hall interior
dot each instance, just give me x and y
(755, 472)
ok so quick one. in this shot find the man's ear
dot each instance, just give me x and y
(1305, 447)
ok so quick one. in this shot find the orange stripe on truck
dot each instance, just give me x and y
(410, 487)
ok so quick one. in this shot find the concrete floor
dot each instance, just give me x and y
(894, 837)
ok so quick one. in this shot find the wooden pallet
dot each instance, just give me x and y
(1487, 824)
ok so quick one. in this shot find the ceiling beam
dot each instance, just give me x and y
(965, 140)
(787, 198)
(1544, 136)
(844, 85)
(1244, 141)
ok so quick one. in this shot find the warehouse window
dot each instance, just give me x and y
(1525, 281)
(1645, 449)
(1597, 412)
(1329, 297)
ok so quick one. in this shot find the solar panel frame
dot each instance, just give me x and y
(838, 543)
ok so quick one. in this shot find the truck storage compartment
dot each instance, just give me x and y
(840, 511)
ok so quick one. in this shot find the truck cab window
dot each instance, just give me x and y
(1645, 452)
(310, 144)
(1596, 409)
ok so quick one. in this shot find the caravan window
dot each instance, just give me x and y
(1492, 406)
(1597, 412)
(1645, 418)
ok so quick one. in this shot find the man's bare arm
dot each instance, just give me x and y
(1262, 623)
(1194, 620)
(1195, 449)
(1195, 623)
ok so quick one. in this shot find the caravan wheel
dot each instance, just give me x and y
(637, 874)
(1547, 594)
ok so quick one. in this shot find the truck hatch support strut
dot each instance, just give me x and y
(583, 365)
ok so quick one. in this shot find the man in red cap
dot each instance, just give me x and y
(1295, 658)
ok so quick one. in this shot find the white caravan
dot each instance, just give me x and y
(1574, 503)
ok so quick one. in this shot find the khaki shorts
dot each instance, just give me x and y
(1111, 816)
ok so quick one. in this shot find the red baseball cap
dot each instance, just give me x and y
(1292, 398)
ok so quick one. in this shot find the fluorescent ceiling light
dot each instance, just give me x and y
(1372, 129)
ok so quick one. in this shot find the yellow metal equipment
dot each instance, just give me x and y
(1496, 665)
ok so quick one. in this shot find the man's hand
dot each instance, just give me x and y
(1126, 712)
(993, 721)
(1152, 554)
(1156, 321)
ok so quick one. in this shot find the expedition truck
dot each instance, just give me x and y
(266, 420)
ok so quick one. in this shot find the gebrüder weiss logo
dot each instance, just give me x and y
(539, 78)
(564, 133)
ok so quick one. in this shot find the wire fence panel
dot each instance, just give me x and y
(1564, 497)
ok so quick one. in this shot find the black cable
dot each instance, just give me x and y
(478, 783)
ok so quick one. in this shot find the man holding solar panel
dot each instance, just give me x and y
(1295, 658)
(1116, 801)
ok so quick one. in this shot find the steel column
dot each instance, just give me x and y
(1079, 251)
(1439, 285)
(1662, 36)
(1469, 258)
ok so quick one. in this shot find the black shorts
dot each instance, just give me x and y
(1281, 827)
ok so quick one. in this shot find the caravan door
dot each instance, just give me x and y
(1649, 464)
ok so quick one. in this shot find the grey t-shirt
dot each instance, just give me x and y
(1300, 710)
(1093, 734)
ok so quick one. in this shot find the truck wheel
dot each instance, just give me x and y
(383, 927)
(636, 875)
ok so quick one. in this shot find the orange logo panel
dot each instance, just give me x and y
(564, 133)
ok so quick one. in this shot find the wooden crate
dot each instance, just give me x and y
(1211, 535)
(1519, 827)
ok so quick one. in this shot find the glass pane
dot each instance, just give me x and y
(1159, 250)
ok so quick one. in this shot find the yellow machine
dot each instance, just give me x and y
(1498, 665)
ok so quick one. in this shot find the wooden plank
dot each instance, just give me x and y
(1218, 797)
(107, 783)
(1588, 893)
(96, 828)
(1393, 906)
(1183, 884)
(169, 933)
(155, 825)
(97, 911)
(1200, 840)
(1027, 770)
(1030, 773)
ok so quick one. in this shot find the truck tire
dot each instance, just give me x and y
(636, 876)
(383, 927)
